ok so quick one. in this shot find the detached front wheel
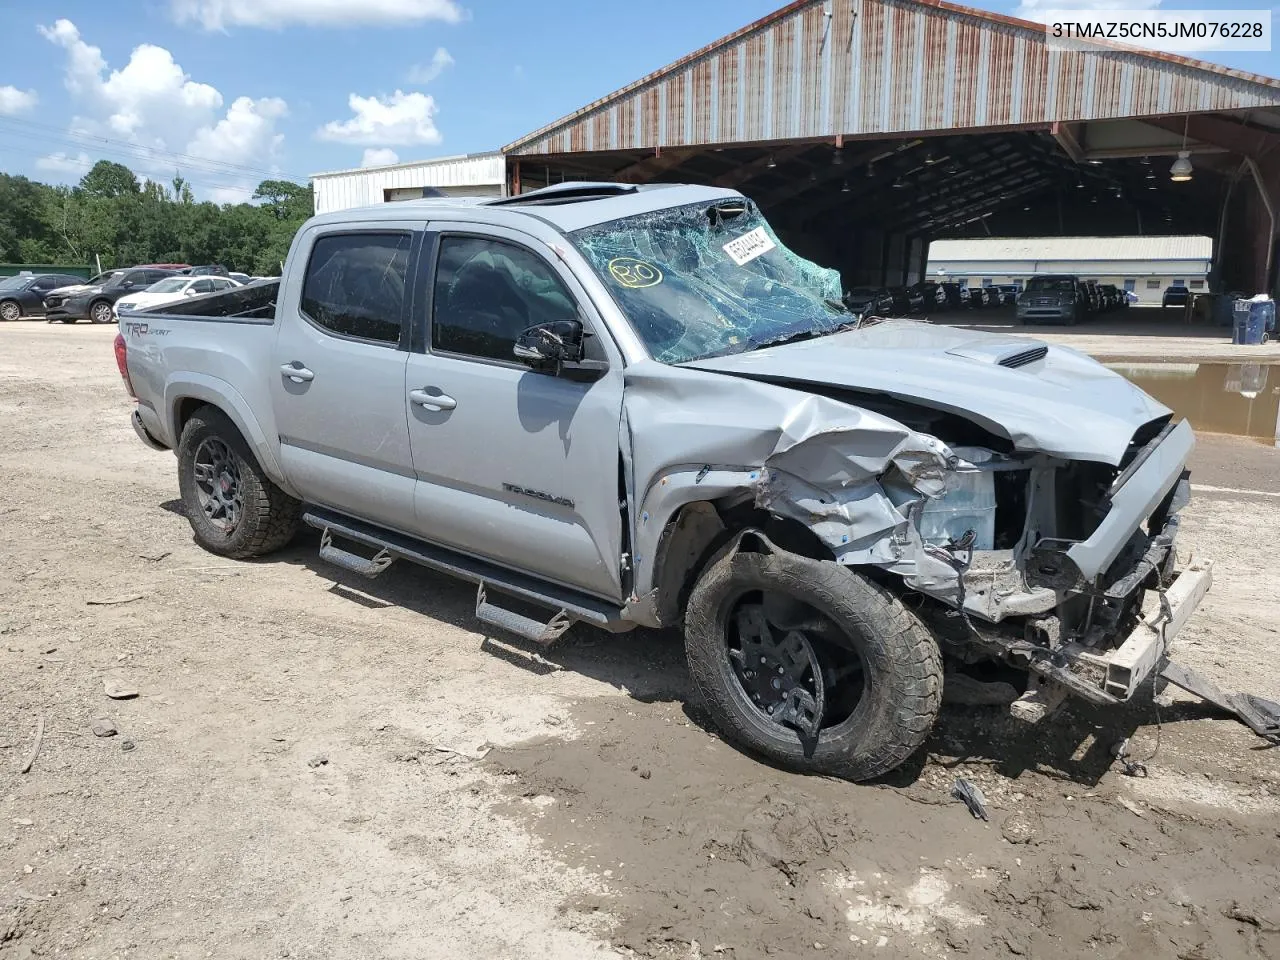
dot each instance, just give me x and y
(233, 507)
(815, 667)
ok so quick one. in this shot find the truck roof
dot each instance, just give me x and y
(566, 206)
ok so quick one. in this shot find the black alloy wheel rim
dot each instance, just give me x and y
(218, 484)
(792, 664)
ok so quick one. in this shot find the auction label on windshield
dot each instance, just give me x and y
(744, 249)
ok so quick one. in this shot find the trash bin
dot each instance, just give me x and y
(1254, 319)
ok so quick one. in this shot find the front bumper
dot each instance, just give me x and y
(75, 307)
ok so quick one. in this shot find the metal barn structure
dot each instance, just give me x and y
(470, 175)
(865, 128)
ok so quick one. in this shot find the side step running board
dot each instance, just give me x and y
(570, 605)
(349, 561)
(517, 623)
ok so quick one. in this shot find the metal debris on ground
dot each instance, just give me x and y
(1260, 715)
(1132, 768)
(968, 792)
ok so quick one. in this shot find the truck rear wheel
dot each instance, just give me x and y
(815, 667)
(233, 507)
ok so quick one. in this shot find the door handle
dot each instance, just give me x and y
(296, 372)
(432, 401)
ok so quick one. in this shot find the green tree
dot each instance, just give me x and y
(286, 200)
(108, 179)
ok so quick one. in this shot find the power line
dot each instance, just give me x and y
(32, 131)
(196, 182)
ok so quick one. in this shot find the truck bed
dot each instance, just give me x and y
(256, 301)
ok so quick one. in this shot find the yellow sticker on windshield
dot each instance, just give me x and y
(634, 273)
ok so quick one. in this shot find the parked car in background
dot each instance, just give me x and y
(1008, 294)
(23, 295)
(957, 295)
(1116, 299)
(96, 299)
(983, 297)
(241, 278)
(933, 297)
(865, 301)
(1175, 296)
(1053, 298)
(176, 267)
(907, 300)
(174, 288)
(207, 270)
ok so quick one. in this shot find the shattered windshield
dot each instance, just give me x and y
(710, 279)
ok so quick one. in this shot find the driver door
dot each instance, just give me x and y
(512, 465)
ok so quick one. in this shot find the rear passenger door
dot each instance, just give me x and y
(338, 370)
(513, 465)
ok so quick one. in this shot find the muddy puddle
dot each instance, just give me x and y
(1241, 399)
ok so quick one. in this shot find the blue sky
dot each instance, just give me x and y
(232, 91)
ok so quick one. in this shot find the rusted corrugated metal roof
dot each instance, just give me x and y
(819, 68)
(1070, 249)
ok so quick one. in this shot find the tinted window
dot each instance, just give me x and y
(487, 292)
(139, 278)
(355, 284)
(203, 286)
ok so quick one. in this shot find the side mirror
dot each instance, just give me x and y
(548, 345)
(189, 292)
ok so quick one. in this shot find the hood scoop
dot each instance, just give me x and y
(1026, 356)
(1012, 354)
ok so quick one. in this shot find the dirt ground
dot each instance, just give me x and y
(320, 767)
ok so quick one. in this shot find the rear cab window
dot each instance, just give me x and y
(355, 285)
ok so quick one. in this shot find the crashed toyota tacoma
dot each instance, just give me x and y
(635, 407)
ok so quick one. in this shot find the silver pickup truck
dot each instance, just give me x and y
(635, 407)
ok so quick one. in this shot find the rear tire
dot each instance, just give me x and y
(233, 507)
(863, 632)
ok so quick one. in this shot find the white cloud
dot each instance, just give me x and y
(220, 14)
(74, 167)
(248, 130)
(230, 194)
(1038, 9)
(172, 121)
(424, 73)
(379, 157)
(14, 101)
(398, 120)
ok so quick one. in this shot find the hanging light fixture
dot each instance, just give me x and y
(813, 175)
(1181, 170)
(898, 184)
(837, 156)
(844, 188)
(871, 172)
(772, 162)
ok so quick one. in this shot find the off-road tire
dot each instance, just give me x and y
(10, 310)
(901, 661)
(270, 516)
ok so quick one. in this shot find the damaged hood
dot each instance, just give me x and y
(1045, 399)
